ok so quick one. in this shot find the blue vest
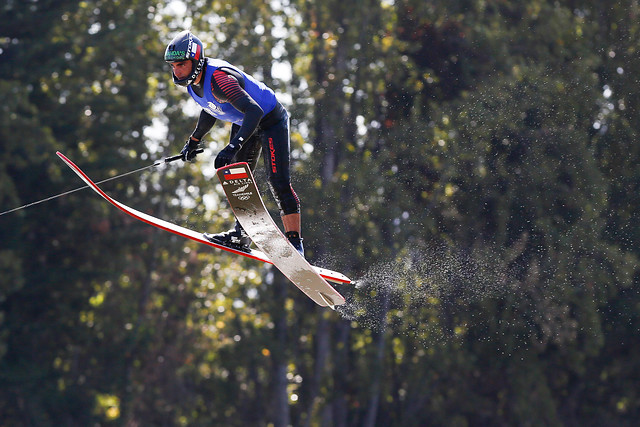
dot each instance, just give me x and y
(225, 111)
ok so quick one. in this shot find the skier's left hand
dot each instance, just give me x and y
(227, 154)
(190, 150)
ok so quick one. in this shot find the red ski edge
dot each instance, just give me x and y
(332, 276)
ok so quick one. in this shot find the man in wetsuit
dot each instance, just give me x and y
(260, 124)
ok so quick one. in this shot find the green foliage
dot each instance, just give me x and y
(471, 164)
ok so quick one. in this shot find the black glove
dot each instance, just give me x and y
(189, 151)
(227, 154)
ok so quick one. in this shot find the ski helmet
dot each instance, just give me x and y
(185, 46)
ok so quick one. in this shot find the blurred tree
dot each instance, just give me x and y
(78, 75)
(471, 164)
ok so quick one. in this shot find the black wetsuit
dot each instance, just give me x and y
(259, 132)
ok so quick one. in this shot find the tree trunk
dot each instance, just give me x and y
(341, 374)
(281, 413)
(376, 382)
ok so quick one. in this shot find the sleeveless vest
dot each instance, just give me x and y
(260, 93)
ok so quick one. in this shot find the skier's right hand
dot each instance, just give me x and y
(189, 151)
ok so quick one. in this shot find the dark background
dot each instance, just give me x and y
(472, 164)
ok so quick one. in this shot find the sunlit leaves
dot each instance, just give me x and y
(473, 164)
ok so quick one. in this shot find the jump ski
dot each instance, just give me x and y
(239, 186)
(329, 299)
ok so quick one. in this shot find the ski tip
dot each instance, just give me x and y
(333, 276)
(329, 301)
(62, 157)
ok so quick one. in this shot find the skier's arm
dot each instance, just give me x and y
(204, 125)
(227, 88)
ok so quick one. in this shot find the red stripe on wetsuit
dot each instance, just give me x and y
(229, 85)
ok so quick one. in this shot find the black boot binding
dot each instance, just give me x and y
(296, 241)
(236, 238)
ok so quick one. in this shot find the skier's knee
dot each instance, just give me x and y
(290, 205)
(287, 199)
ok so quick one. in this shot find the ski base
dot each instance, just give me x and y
(239, 186)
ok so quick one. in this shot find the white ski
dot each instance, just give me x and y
(239, 186)
(332, 276)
